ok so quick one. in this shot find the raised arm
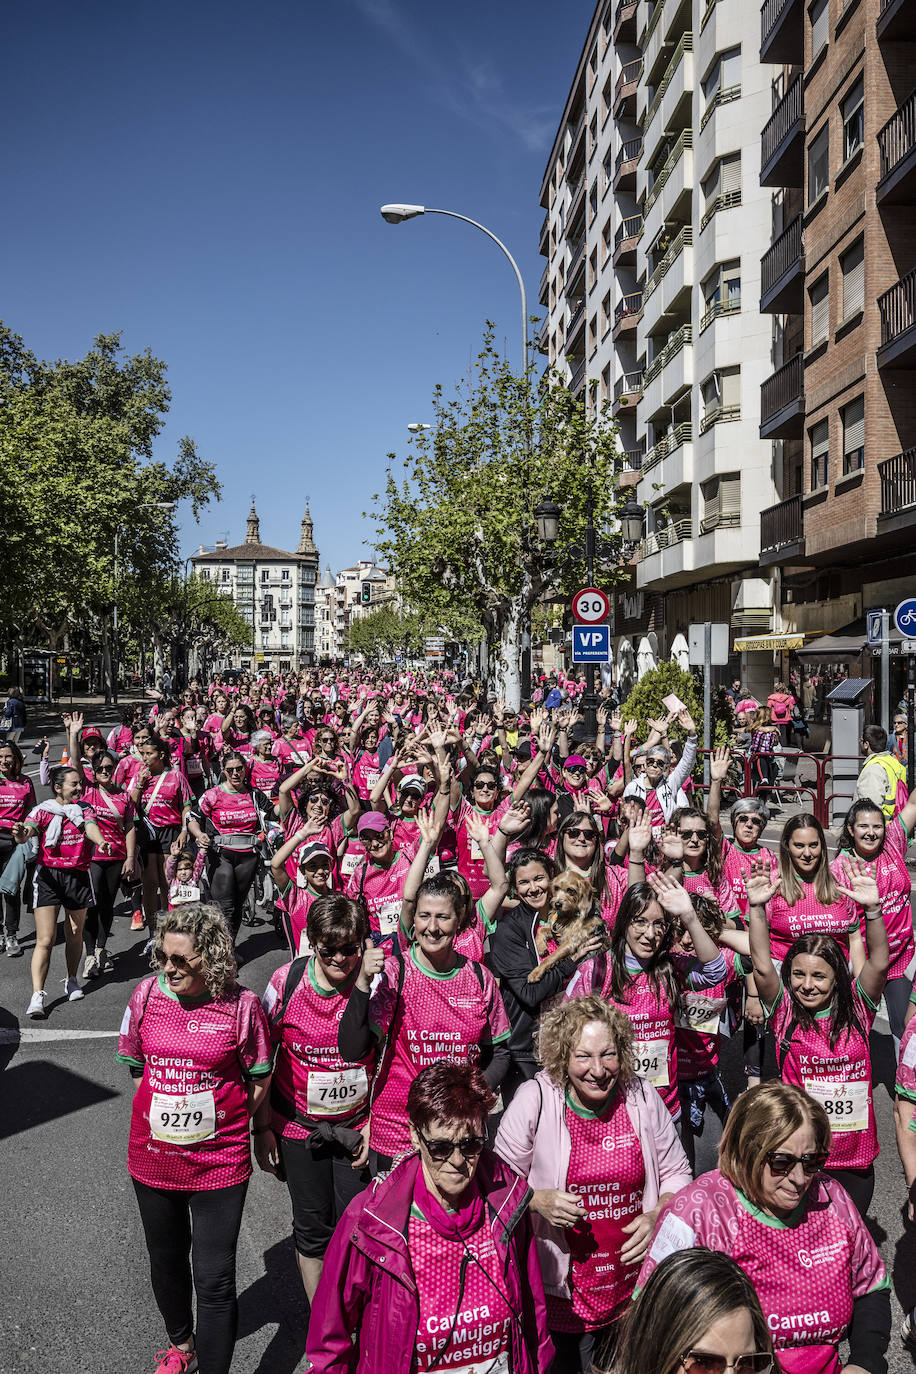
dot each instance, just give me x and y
(863, 890)
(286, 850)
(718, 772)
(761, 887)
(682, 771)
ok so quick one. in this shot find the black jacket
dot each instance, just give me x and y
(513, 954)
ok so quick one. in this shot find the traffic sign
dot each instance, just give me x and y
(905, 617)
(590, 606)
(873, 624)
(591, 643)
(908, 646)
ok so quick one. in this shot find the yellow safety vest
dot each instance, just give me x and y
(895, 772)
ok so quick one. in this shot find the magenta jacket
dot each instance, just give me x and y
(367, 1286)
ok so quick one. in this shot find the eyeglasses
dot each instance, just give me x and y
(781, 1163)
(656, 927)
(659, 763)
(701, 1362)
(576, 832)
(470, 1146)
(484, 785)
(339, 952)
(375, 837)
(178, 961)
(686, 834)
(574, 767)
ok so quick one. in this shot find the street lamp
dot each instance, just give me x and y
(547, 517)
(144, 505)
(397, 214)
(415, 427)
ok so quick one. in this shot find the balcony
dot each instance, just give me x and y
(627, 391)
(626, 315)
(782, 401)
(576, 132)
(625, 21)
(543, 295)
(627, 82)
(678, 79)
(681, 434)
(669, 375)
(576, 318)
(674, 157)
(577, 378)
(576, 199)
(782, 143)
(576, 261)
(666, 538)
(723, 96)
(897, 311)
(725, 200)
(728, 305)
(625, 241)
(666, 557)
(683, 240)
(630, 459)
(782, 273)
(625, 165)
(681, 339)
(782, 32)
(898, 492)
(897, 148)
(543, 343)
(544, 235)
(719, 415)
(896, 21)
(782, 531)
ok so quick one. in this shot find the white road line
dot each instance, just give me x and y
(31, 1035)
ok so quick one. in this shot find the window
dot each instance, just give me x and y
(265, 575)
(226, 575)
(723, 181)
(853, 418)
(819, 297)
(819, 14)
(721, 502)
(205, 574)
(819, 440)
(722, 290)
(819, 164)
(724, 73)
(852, 110)
(722, 391)
(852, 265)
(284, 576)
(265, 641)
(606, 313)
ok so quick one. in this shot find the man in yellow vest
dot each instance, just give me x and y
(883, 777)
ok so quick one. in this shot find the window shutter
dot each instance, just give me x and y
(731, 386)
(730, 67)
(854, 280)
(730, 175)
(820, 310)
(711, 500)
(730, 495)
(854, 425)
(820, 26)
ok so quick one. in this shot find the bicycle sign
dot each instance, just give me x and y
(905, 618)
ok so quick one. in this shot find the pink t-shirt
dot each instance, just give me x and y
(807, 1271)
(698, 1018)
(736, 863)
(601, 1286)
(838, 1076)
(366, 772)
(73, 848)
(120, 739)
(189, 1124)
(16, 800)
(470, 857)
(309, 1073)
(721, 893)
(465, 1322)
(291, 753)
(126, 771)
(114, 812)
(382, 889)
(234, 740)
(297, 903)
(808, 916)
(905, 1082)
(893, 879)
(438, 1016)
(231, 813)
(164, 798)
(265, 775)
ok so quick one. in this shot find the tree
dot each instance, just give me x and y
(184, 621)
(460, 529)
(646, 702)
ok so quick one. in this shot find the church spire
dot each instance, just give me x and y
(253, 533)
(307, 543)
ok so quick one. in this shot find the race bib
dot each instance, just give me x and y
(652, 1061)
(194, 766)
(331, 1094)
(349, 864)
(476, 852)
(184, 892)
(498, 1365)
(846, 1104)
(388, 915)
(370, 779)
(432, 868)
(184, 1120)
(701, 1015)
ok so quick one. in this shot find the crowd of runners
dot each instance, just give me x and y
(513, 953)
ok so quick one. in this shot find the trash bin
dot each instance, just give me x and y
(847, 703)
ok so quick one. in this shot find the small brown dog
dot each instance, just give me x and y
(574, 920)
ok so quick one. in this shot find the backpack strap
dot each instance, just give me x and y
(294, 976)
(785, 1044)
(599, 972)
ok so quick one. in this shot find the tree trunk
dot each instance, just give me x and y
(106, 662)
(507, 654)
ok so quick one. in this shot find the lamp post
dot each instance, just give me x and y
(397, 214)
(630, 515)
(144, 505)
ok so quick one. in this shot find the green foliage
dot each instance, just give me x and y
(645, 702)
(378, 635)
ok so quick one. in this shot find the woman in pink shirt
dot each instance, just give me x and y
(807, 898)
(114, 812)
(198, 1048)
(17, 797)
(233, 814)
(162, 800)
(584, 1108)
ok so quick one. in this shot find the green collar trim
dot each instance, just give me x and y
(431, 972)
(182, 1001)
(584, 1112)
(776, 1223)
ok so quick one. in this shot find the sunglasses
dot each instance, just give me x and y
(485, 786)
(574, 767)
(659, 763)
(339, 952)
(576, 832)
(470, 1147)
(178, 961)
(234, 768)
(686, 834)
(700, 1362)
(780, 1163)
(374, 837)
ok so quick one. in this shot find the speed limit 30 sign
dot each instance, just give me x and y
(590, 606)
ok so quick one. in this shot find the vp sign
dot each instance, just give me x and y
(591, 643)
(905, 618)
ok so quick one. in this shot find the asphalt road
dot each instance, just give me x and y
(75, 1289)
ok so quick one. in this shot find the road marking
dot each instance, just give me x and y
(30, 1035)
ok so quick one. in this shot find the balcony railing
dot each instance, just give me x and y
(723, 96)
(630, 459)
(575, 131)
(577, 315)
(723, 201)
(782, 32)
(782, 388)
(545, 225)
(676, 533)
(543, 285)
(630, 228)
(578, 256)
(786, 252)
(685, 45)
(626, 9)
(630, 384)
(628, 306)
(681, 434)
(730, 305)
(673, 252)
(578, 375)
(782, 524)
(720, 519)
(628, 152)
(654, 17)
(789, 112)
(897, 308)
(898, 482)
(630, 73)
(677, 341)
(898, 137)
(673, 158)
(719, 415)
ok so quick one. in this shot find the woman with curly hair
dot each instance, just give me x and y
(592, 1224)
(199, 1049)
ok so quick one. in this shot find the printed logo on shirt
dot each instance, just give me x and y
(823, 1254)
(207, 1027)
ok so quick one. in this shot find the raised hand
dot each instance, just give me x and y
(672, 896)
(630, 727)
(672, 845)
(601, 717)
(686, 721)
(759, 884)
(718, 764)
(547, 738)
(862, 889)
(426, 825)
(477, 830)
(639, 835)
(514, 820)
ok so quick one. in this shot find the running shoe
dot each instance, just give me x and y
(175, 1361)
(37, 1006)
(2, 940)
(91, 967)
(13, 947)
(73, 991)
(150, 945)
(106, 963)
(137, 922)
(908, 1332)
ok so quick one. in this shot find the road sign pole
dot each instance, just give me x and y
(707, 697)
(886, 669)
(910, 741)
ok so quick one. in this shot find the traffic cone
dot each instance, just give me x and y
(65, 757)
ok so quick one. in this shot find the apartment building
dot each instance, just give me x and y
(654, 228)
(839, 281)
(273, 589)
(354, 592)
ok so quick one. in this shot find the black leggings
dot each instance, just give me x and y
(321, 1184)
(576, 1353)
(11, 904)
(204, 1226)
(106, 879)
(231, 874)
(859, 1184)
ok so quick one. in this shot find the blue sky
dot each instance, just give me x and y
(206, 177)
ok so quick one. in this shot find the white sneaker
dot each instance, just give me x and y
(91, 966)
(13, 947)
(73, 990)
(37, 1005)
